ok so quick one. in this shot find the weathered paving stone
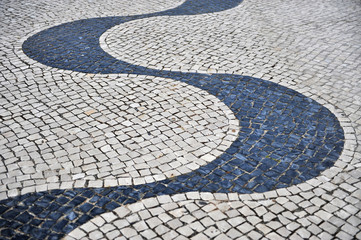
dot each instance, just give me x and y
(235, 227)
(85, 126)
(100, 151)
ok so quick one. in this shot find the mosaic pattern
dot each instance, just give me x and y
(168, 219)
(202, 216)
(283, 133)
(120, 136)
(285, 138)
(75, 45)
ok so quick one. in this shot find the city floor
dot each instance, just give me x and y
(181, 119)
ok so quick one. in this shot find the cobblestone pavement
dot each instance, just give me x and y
(180, 119)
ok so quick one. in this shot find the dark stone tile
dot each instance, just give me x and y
(285, 138)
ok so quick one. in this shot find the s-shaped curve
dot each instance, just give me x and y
(285, 137)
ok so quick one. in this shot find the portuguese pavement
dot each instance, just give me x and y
(181, 119)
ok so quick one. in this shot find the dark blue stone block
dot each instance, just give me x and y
(192, 183)
(122, 199)
(7, 232)
(240, 157)
(56, 192)
(27, 229)
(103, 201)
(252, 184)
(65, 209)
(184, 178)
(10, 214)
(55, 215)
(70, 193)
(218, 172)
(20, 208)
(135, 194)
(236, 162)
(272, 174)
(87, 194)
(226, 184)
(24, 217)
(36, 210)
(94, 199)
(4, 223)
(30, 200)
(58, 227)
(54, 236)
(247, 167)
(129, 201)
(280, 185)
(62, 200)
(36, 222)
(40, 233)
(285, 179)
(214, 178)
(83, 219)
(86, 207)
(283, 133)
(113, 195)
(228, 177)
(70, 227)
(105, 191)
(48, 224)
(53, 206)
(76, 201)
(72, 216)
(167, 191)
(213, 187)
(21, 237)
(96, 211)
(327, 164)
(261, 188)
(238, 172)
(112, 205)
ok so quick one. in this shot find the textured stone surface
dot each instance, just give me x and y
(121, 131)
(311, 47)
(285, 138)
(211, 218)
